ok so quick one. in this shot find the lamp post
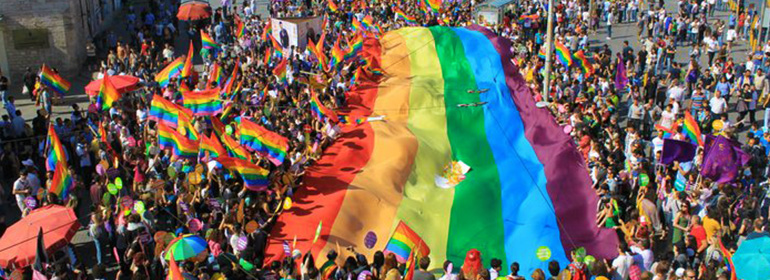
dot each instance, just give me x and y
(548, 52)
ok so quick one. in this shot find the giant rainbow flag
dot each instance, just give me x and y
(527, 186)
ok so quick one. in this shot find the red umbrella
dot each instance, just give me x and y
(194, 10)
(122, 83)
(19, 243)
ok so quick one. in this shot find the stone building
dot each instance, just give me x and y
(54, 32)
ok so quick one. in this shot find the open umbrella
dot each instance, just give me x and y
(185, 247)
(752, 260)
(18, 244)
(122, 83)
(194, 10)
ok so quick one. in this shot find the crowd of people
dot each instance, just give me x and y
(671, 220)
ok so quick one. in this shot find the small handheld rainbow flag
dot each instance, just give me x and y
(333, 6)
(435, 5)
(215, 75)
(268, 143)
(320, 111)
(108, 94)
(208, 42)
(402, 15)
(169, 138)
(728, 259)
(172, 70)
(268, 30)
(357, 26)
(254, 177)
(206, 103)
(228, 88)
(411, 263)
(166, 112)
(61, 183)
(280, 71)
(53, 81)
(267, 58)
(355, 47)
(314, 49)
(542, 52)
(186, 126)
(562, 53)
(174, 273)
(404, 241)
(187, 69)
(275, 43)
(691, 129)
(240, 30)
(368, 22)
(338, 55)
(582, 62)
(56, 154)
(529, 17)
(235, 149)
(212, 146)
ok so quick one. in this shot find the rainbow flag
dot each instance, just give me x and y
(166, 112)
(183, 147)
(316, 51)
(108, 94)
(264, 141)
(53, 81)
(186, 126)
(668, 132)
(320, 111)
(357, 26)
(277, 46)
(215, 75)
(187, 69)
(562, 53)
(240, 30)
(368, 22)
(542, 54)
(56, 153)
(267, 30)
(532, 17)
(691, 129)
(203, 103)
(172, 70)
(254, 177)
(402, 15)
(228, 88)
(207, 42)
(338, 55)
(581, 62)
(411, 264)
(212, 146)
(280, 71)
(355, 48)
(174, 273)
(235, 149)
(333, 6)
(435, 5)
(728, 258)
(61, 183)
(267, 58)
(405, 241)
(516, 193)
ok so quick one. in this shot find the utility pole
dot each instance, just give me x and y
(548, 53)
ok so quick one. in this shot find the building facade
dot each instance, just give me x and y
(54, 32)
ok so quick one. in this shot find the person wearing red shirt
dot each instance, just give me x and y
(699, 233)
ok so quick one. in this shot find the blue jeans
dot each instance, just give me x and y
(98, 250)
(609, 31)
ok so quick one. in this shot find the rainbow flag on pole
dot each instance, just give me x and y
(267, 30)
(215, 75)
(56, 152)
(320, 111)
(208, 42)
(169, 138)
(338, 55)
(582, 62)
(61, 183)
(53, 81)
(203, 103)
(691, 129)
(513, 191)
(434, 5)
(172, 70)
(108, 94)
(728, 259)
(234, 148)
(264, 141)
(166, 112)
(187, 69)
(333, 6)
(355, 47)
(402, 15)
(562, 53)
(254, 177)
(404, 241)
(240, 31)
(280, 71)
(212, 146)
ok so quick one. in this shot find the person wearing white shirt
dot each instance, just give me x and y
(622, 263)
(718, 105)
(643, 255)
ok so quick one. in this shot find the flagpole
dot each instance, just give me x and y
(548, 53)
